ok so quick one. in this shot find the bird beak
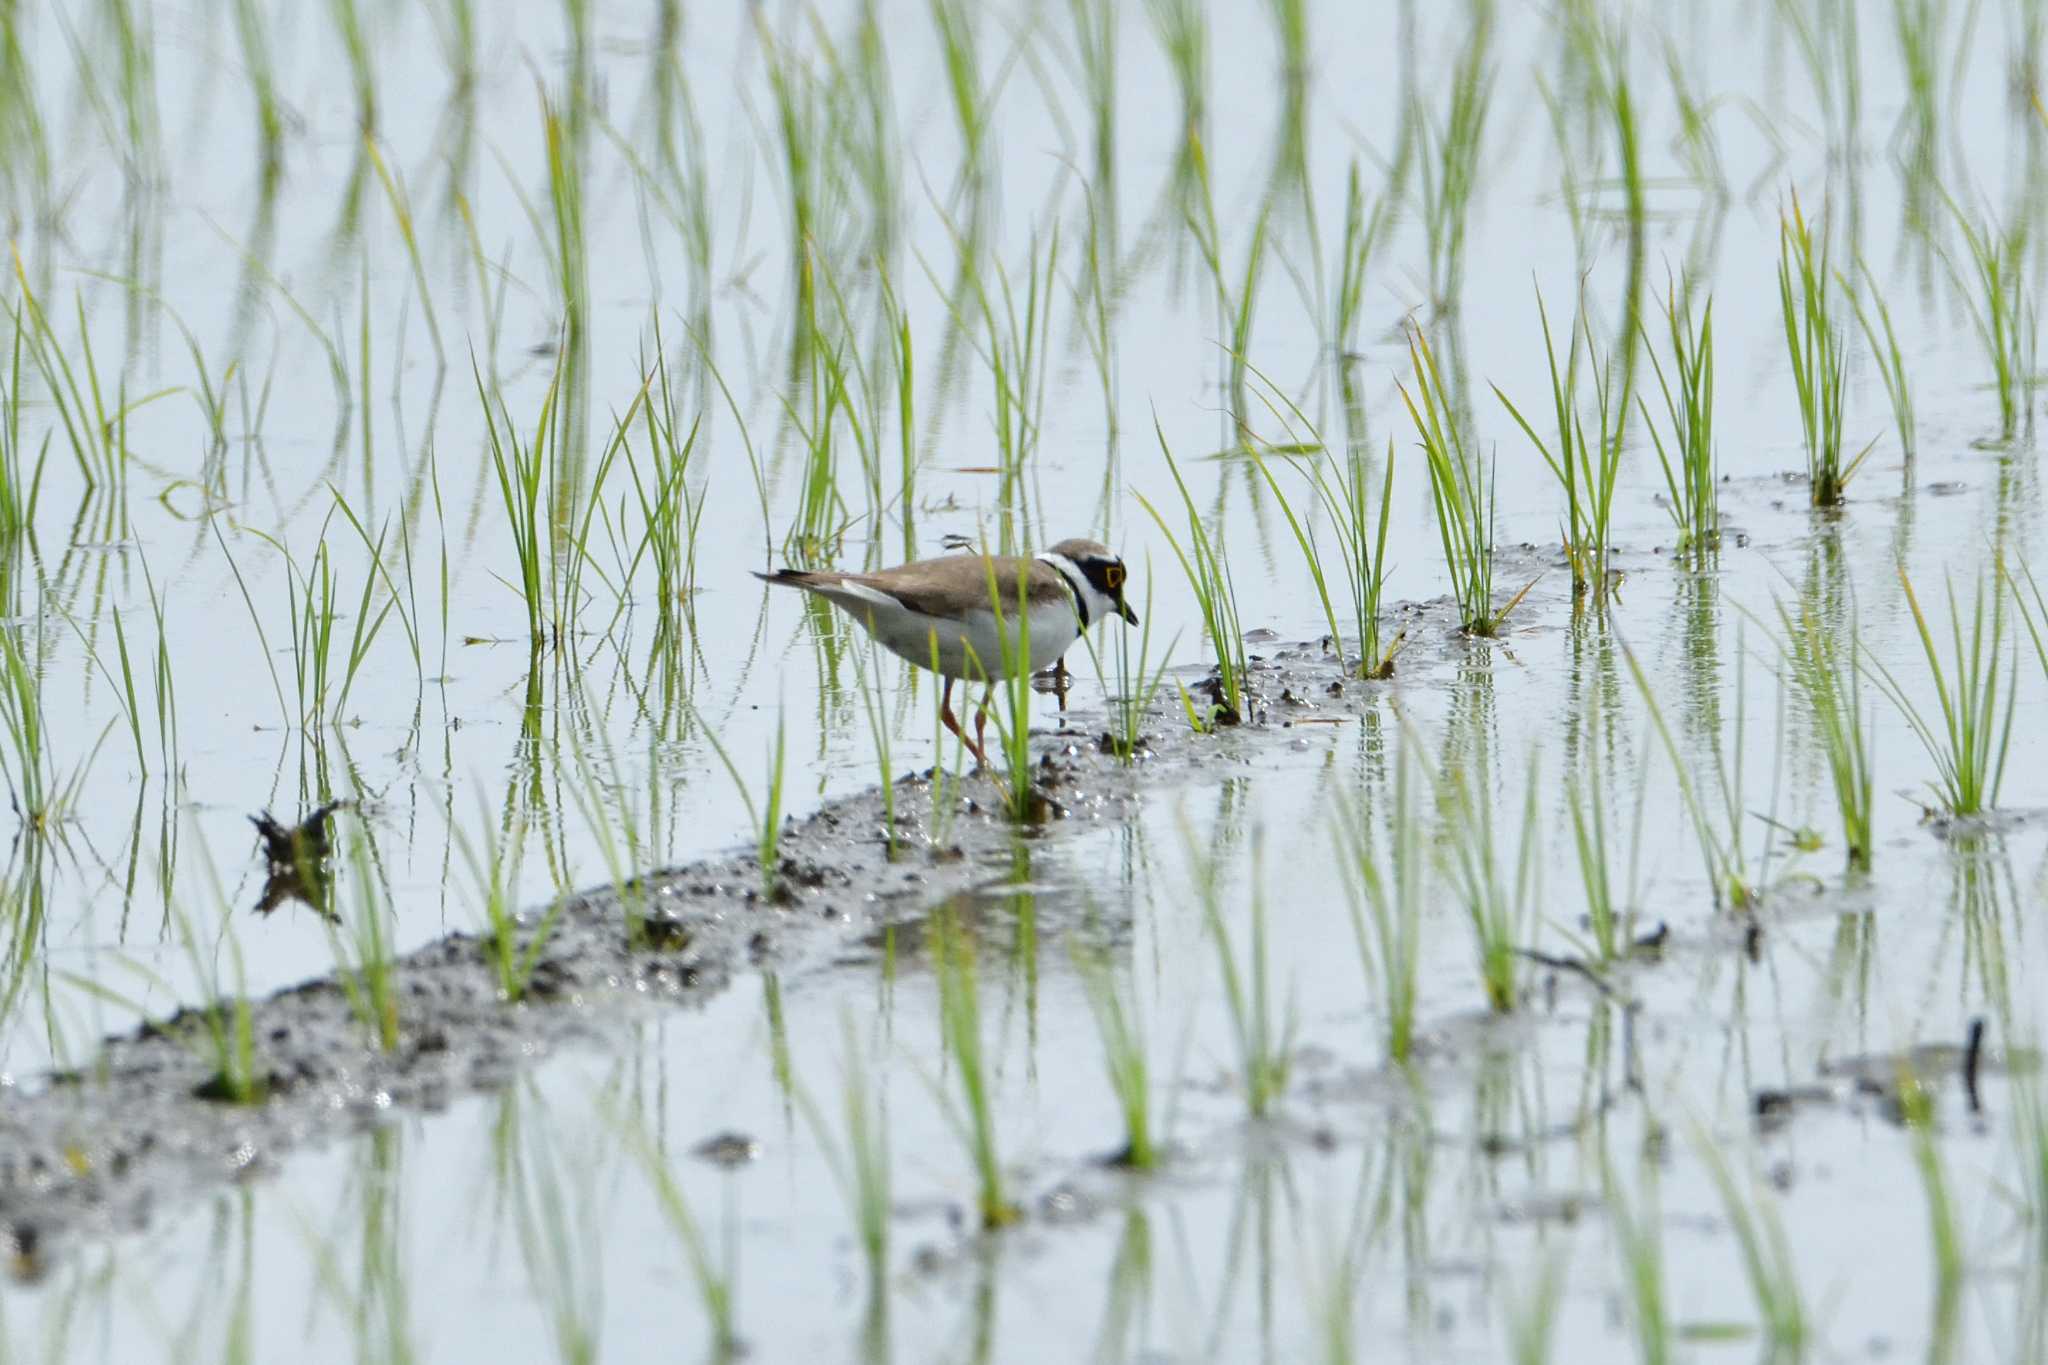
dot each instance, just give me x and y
(1124, 610)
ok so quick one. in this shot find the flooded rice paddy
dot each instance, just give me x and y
(1555, 874)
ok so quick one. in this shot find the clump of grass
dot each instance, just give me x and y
(1828, 676)
(1969, 739)
(1461, 487)
(96, 433)
(494, 875)
(1359, 520)
(1137, 679)
(1689, 461)
(1208, 574)
(17, 499)
(1265, 1042)
(1386, 904)
(1497, 902)
(2004, 314)
(225, 1035)
(1121, 1029)
(41, 796)
(1767, 1258)
(1820, 361)
(973, 1114)
(1585, 467)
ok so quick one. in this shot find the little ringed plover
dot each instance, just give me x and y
(940, 613)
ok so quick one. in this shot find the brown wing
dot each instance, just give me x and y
(941, 587)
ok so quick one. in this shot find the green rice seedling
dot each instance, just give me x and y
(1827, 675)
(1208, 574)
(767, 816)
(1137, 679)
(312, 610)
(550, 521)
(95, 433)
(1970, 737)
(1820, 363)
(1638, 1235)
(1386, 905)
(1767, 1258)
(2002, 309)
(1585, 468)
(21, 479)
(1461, 487)
(1348, 502)
(1121, 1029)
(494, 875)
(224, 1035)
(1891, 365)
(973, 1112)
(1689, 459)
(860, 1164)
(41, 796)
(1265, 1042)
(1450, 165)
(1497, 903)
(360, 938)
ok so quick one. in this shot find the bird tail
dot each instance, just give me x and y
(795, 578)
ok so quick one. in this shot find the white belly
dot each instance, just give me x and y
(971, 647)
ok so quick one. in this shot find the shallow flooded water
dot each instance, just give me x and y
(394, 401)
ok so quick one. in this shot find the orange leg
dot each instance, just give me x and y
(981, 725)
(946, 716)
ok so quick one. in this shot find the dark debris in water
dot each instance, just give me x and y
(298, 860)
(730, 1150)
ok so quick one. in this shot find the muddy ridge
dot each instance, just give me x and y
(100, 1150)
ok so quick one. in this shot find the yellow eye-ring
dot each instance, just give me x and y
(1113, 577)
